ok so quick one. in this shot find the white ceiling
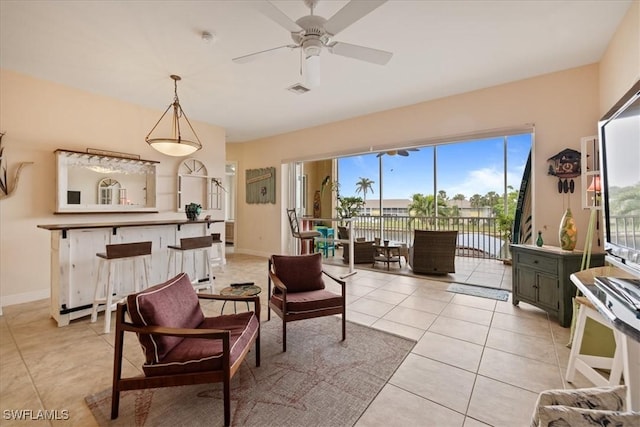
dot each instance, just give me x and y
(128, 49)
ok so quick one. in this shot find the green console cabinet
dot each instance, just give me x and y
(541, 278)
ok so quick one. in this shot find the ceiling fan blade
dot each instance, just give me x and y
(276, 15)
(362, 53)
(252, 56)
(403, 153)
(349, 14)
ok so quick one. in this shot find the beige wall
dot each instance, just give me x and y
(620, 65)
(40, 117)
(563, 106)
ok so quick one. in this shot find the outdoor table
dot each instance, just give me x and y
(385, 253)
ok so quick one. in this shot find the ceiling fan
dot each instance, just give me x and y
(312, 33)
(403, 153)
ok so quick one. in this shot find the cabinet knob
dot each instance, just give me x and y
(535, 261)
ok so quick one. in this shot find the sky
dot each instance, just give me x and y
(471, 167)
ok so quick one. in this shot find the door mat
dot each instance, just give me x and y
(479, 291)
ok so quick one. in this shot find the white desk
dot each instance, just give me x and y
(585, 280)
(349, 222)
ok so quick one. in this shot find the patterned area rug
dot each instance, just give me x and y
(479, 291)
(319, 381)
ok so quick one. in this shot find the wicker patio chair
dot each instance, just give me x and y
(433, 252)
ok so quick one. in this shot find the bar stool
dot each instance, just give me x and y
(217, 256)
(587, 364)
(193, 246)
(118, 254)
(327, 241)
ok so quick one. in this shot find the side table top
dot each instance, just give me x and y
(244, 290)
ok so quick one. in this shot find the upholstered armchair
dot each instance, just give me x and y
(433, 252)
(181, 345)
(299, 291)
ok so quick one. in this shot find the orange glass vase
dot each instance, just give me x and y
(568, 233)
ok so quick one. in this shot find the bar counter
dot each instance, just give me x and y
(74, 264)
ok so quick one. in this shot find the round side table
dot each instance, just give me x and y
(242, 290)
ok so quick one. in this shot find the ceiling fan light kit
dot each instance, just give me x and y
(174, 144)
(312, 33)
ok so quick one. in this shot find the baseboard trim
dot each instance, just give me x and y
(7, 300)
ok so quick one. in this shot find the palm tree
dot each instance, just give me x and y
(459, 197)
(421, 206)
(363, 186)
(491, 198)
(476, 202)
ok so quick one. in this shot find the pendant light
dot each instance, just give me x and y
(175, 144)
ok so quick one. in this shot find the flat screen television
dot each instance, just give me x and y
(620, 167)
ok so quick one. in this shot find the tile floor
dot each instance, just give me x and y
(477, 361)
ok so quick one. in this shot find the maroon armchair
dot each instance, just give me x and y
(181, 345)
(299, 291)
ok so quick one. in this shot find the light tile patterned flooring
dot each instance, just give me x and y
(477, 361)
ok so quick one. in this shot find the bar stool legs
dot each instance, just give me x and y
(587, 364)
(105, 293)
(193, 246)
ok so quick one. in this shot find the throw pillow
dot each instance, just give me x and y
(172, 304)
(299, 273)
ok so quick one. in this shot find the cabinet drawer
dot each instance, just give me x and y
(538, 262)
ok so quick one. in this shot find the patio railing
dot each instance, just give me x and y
(478, 237)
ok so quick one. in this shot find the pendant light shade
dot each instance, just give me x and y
(173, 142)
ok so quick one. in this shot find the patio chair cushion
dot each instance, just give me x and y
(559, 415)
(606, 398)
(198, 355)
(174, 304)
(299, 273)
(308, 302)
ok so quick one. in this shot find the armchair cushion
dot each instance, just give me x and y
(308, 302)
(174, 304)
(199, 355)
(300, 273)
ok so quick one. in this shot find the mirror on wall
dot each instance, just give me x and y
(98, 182)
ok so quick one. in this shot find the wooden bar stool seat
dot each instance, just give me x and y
(587, 364)
(192, 246)
(106, 293)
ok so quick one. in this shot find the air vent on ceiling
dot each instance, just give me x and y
(298, 88)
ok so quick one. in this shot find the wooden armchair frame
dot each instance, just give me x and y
(288, 316)
(143, 382)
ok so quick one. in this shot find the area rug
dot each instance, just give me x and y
(479, 291)
(319, 381)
